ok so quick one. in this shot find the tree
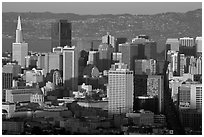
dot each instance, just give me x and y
(33, 107)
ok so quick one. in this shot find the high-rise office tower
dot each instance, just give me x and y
(140, 48)
(140, 85)
(155, 88)
(160, 66)
(150, 50)
(199, 65)
(82, 63)
(181, 64)
(108, 39)
(175, 62)
(117, 57)
(70, 67)
(190, 96)
(174, 58)
(196, 96)
(198, 42)
(19, 48)
(192, 65)
(31, 61)
(41, 61)
(119, 41)
(129, 54)
(93, 58)
(105, 56)
(46, 64)
(144, 66)
(140, 66)
(120, 89)
(173, 44)
(141, 51)
(61, 34)
(9, 72)
(55, 61)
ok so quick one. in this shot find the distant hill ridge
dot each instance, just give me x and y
(157, 26)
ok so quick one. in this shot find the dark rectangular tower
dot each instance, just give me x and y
(61, 34)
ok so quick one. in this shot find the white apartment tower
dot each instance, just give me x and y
(70, 67)
(19, 48)
(120, 89)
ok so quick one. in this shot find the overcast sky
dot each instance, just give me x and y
(101, 8)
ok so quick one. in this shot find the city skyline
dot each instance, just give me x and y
(97, 8)
(97, 82)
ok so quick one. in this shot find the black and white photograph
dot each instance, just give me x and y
(101, 68)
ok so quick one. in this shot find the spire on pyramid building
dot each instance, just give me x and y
(19, 35)
(19, 23)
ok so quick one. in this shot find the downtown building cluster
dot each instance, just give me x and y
(111, 84)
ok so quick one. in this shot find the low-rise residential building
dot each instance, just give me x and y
(23, 95)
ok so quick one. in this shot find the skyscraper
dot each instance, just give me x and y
(190, 96)
(199, 65)
(129, 54)
(19, 48)
(93, 58)
(198, 42)
(61, 34)
(155, 88)
(55, 61)
(117, 57)
(41, 61)
(140, 85)
(120, 89)
(70, 67)
(181, 64)
(150, 50)
(119, 41)
(108, 39)
(105, 56)
(144, 66)
(196, 96)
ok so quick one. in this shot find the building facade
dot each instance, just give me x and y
(61, 34)
(19, 48)
(120, 89)
(70, 67)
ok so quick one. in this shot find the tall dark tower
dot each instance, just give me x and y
(61, 34)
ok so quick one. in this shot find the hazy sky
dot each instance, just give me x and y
(101, 8)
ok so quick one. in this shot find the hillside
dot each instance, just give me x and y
(158, 26)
